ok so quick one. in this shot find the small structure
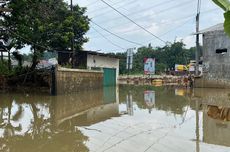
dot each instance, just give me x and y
(216, 58)
(95, 61)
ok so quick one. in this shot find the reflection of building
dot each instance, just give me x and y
(92, 116)
(85, 108)
(216, 131)
(216, 114)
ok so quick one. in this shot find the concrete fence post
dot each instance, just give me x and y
(53, 86)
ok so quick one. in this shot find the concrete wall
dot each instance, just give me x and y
(103, 62)
(73, 80)
(216, 67)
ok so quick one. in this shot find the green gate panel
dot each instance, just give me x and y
(109, 94)
(109, 77)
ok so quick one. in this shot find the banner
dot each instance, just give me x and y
(149, 66)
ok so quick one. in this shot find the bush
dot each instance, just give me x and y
(4, 70)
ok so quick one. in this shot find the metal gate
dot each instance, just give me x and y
(109, 77)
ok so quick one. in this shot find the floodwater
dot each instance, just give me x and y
(121, 119)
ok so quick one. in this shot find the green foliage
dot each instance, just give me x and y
(166, 57)
(225, 5)
(45, 25)
(4, 70)
(227, 22)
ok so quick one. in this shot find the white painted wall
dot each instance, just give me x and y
(103, 62)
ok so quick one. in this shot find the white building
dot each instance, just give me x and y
(95, 61)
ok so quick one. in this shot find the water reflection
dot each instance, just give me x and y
(216, 116)
(97, 120)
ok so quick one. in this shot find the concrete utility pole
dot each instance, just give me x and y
(197, 37)
(72, 40)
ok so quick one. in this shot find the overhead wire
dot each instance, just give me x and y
(90, 4)
(134, 30)
(99, 9)
(184, 23)
(136, 43)
(108, 39)
(178, 26)
(33, 43)
(134, 22)
(138, 17)
(147, 9)
(139, 11)
(176, 19)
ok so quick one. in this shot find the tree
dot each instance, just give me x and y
(166, 57)
(45, 25)
(225, 5)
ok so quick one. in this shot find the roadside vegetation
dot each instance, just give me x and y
(166, 57)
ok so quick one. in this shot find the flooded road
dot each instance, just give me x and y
(122, 119)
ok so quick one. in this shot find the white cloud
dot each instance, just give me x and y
(189, 41)
(158, 20)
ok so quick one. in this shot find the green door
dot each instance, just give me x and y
(109, 77)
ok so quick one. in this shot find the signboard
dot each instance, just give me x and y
(129, 60)
(149, 65)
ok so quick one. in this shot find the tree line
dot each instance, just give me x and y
(166, 57)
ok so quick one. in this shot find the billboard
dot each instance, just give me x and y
(149, 66)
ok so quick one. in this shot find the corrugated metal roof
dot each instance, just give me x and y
(218, 27)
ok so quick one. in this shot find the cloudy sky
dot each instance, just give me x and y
(169, 19)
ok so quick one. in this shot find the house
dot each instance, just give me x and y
(92, 60)
(216, 58)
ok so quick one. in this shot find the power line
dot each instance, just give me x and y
(107, 39)
(178, 26)
(175, 19)
(144, 10)
(184, 23)
(136, 43)
(137, 12)
(132, 30)
(33, 43)
(99, 9)
(133, 22)
(93, 3)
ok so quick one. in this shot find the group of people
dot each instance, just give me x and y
(188, 80)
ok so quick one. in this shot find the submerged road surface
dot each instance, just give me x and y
(117, 119)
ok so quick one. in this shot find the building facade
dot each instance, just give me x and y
(91, 60)
(216, 58)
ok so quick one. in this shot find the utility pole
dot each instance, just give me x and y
(129, 61)
(72, 40)
(197, 38)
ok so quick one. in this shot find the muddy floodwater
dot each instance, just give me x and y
(117, 119)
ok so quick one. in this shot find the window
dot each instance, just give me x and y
(221, 51)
